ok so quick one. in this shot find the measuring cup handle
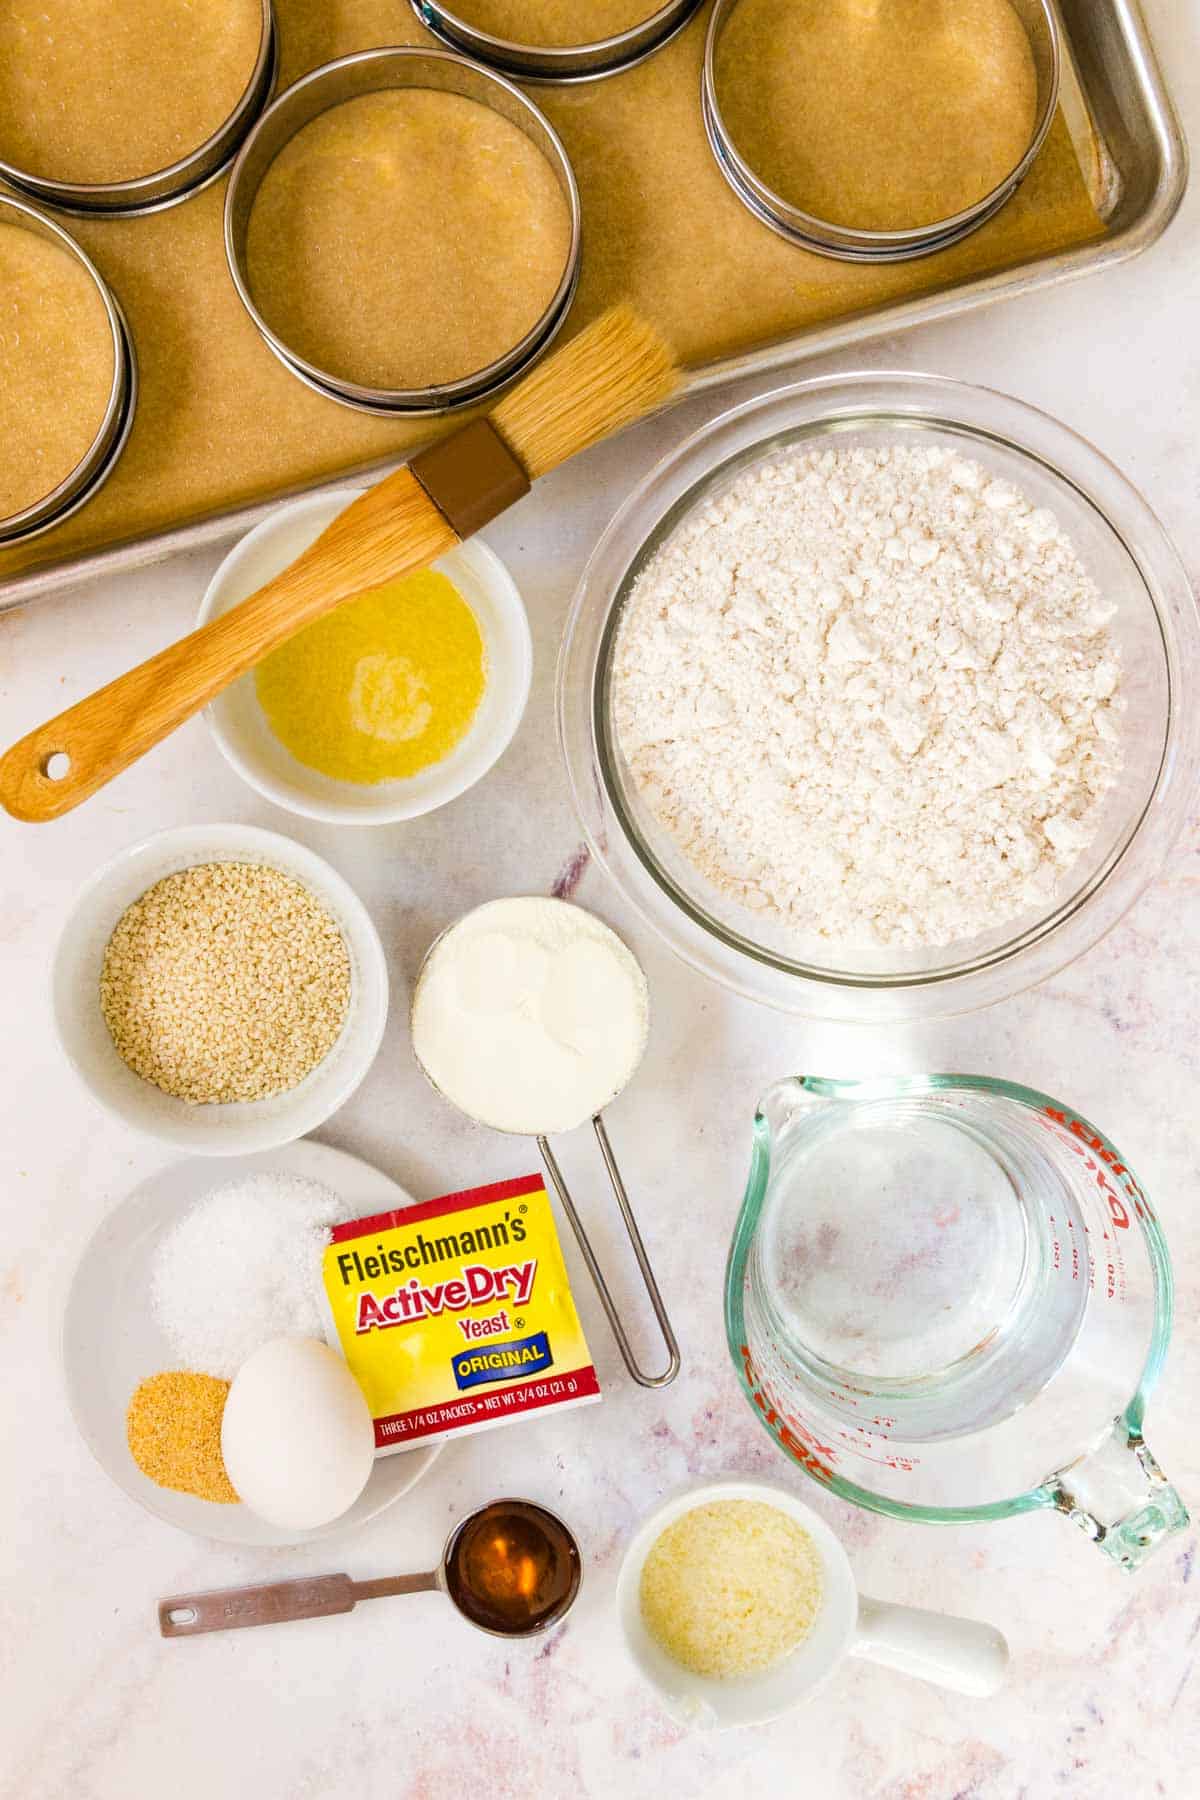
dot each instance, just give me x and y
(1119, 1496)
(962, 1654)
(617, 1183)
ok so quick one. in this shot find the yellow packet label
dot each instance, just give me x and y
(456, 1314)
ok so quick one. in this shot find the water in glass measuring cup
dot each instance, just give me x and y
(948, 1298)
(924, 1260)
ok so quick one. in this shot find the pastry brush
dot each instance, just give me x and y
(614, 372)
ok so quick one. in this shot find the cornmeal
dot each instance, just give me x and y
(731, 1587)
(406, 238)
(56, 366)
(555, 23)
(881, 115)
(108, 93)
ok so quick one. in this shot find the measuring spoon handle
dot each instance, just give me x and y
(271, 1603)
(276, 1602)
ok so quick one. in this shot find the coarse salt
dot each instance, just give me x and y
(242, 1266)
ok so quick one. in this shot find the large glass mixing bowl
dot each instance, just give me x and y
(1156, 625)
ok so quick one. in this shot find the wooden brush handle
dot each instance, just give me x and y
(389, 531)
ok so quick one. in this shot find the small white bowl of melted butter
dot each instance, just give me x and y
(392, 705)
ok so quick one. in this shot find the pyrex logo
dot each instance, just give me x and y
(1101, 1162)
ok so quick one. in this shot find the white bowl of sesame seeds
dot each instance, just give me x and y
(220, 988)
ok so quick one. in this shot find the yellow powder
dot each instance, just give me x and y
(878, 114)
(406, 238)
(56, 366)
(174, 1431)
(731, 1588)
(555, 22)
(383, 687)
(107, 93)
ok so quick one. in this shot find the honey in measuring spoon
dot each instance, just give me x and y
(513, 1568)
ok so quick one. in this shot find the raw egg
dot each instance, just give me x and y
(296, 1435)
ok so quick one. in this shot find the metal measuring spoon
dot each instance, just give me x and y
(512, 1569)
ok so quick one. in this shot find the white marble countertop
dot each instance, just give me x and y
(399, 1699)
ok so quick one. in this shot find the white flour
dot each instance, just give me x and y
(871, 695)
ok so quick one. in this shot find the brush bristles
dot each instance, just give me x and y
(388, 531)
(616, 370)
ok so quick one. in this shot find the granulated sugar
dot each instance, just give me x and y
(872, 694)
(243, 1266)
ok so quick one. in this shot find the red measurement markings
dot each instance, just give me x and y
(801, 1444)
(1102, 1163)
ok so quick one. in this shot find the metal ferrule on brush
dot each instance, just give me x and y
(471, 476)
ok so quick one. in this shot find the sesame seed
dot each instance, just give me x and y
(225, 982)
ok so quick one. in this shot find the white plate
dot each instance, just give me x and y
(111, 1341)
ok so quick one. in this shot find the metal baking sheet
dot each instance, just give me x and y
(1130, 144)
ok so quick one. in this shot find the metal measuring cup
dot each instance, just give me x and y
(558, 1182)
(536, 1555)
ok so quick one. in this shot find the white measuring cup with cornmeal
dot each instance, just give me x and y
(737, 1601)
(531, 1015)
(948, 1299)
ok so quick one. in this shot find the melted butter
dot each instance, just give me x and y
(388, 699)
(384, 687)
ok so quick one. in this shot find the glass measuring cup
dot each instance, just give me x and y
(948, 1299)
(511, 1568)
